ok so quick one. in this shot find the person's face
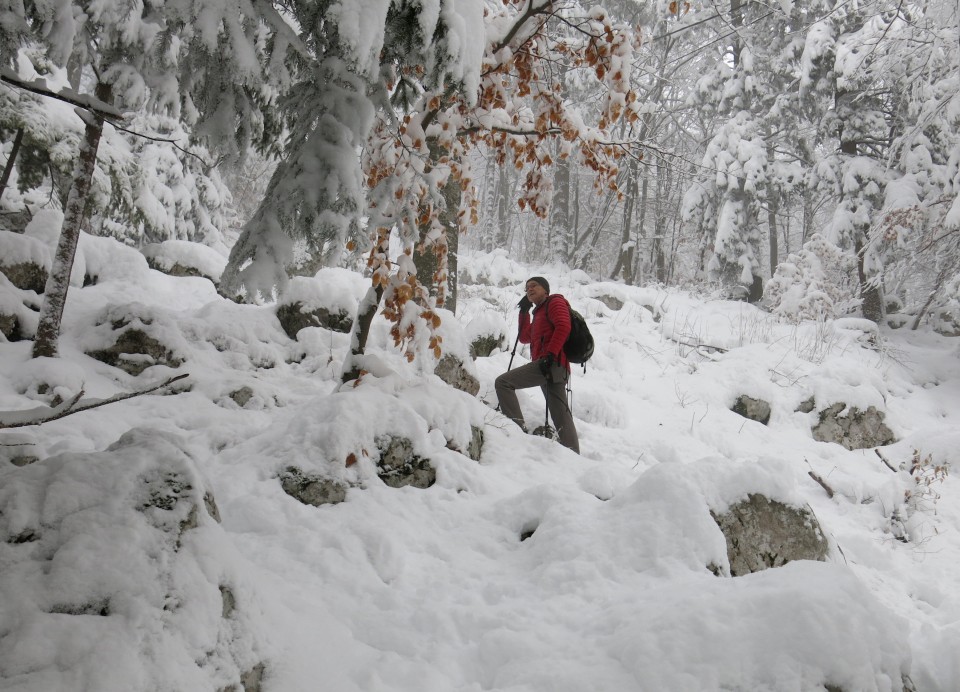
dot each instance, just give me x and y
(536, 293)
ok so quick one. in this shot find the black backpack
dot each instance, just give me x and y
(579, 344)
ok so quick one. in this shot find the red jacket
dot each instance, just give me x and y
(549, 329)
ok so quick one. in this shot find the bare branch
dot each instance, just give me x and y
(822, 483)
(886, 463)
(100, 109)
(71, 407)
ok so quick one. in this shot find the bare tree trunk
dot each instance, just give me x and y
(366, 311)
(871, 294)
(560, 212)
(773, 208)
(8, 169)
(503, 234)
(625, 256)
(58, 282)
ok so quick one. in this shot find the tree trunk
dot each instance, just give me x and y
(426, 261)
(58, 282)
(8, 169)
(560, 213)
(773, 208)
(503, 235)
(871, 294)
(451, 194)
(360, 332)
(628, 245)
(366, 311)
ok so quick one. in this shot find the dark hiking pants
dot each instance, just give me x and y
(527, 376)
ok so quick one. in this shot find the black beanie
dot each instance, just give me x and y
(540, 280)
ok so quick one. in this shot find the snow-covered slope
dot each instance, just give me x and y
(115, 573)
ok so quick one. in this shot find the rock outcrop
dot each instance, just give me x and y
(763, 533)
(854, 429)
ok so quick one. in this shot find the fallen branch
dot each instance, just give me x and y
(822, 483)
(70, 407)
(887, 463)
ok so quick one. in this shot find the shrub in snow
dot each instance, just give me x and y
(483, 346)
(183, 258)
(118, 558)
(763, 533)
(853, 428)
(815, 283)
(24, 260)
(754, 409)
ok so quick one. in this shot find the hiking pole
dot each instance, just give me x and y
(513, 352)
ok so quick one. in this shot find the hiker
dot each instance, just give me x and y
(549, 368)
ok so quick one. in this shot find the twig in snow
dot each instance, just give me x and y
(887, 463)
(822, 483)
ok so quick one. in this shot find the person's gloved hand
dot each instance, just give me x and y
(524, 304)
(546, 363)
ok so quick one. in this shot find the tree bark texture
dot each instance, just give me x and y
(8, 168)
(426, 260)
(58, 282)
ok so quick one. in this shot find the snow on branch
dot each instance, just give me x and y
(45, 414)
(85, 101)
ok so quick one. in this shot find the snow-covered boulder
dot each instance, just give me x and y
(754, 409)
(399, 466)
(311, 488)
(183, 258)
(852, 427)
(486, 333)
(24, 260)
(455, 366)
(17, 321)
(763, 533)
(328, 300)
(135, 337)
(454, 372)
(491, 269)
(946, 320)
(117, 575)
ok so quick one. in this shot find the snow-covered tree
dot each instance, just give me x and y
(129, 55)
(818, 282)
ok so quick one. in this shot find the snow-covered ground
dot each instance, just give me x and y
(111, 580)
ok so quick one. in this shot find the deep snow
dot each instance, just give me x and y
(102, 588)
